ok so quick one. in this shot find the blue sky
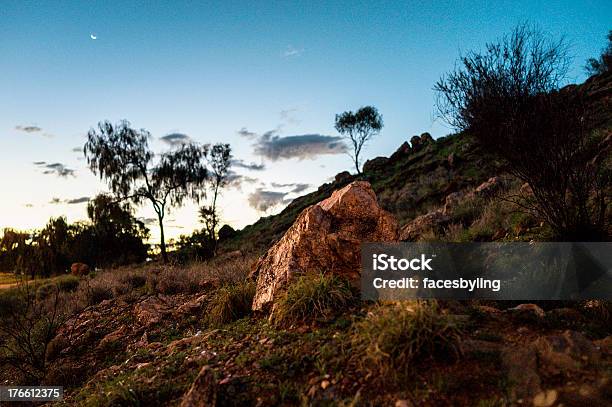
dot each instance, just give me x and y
(208, 70)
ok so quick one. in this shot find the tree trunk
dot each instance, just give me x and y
(162, 243)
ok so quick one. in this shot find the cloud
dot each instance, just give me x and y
(28, 129)
(149, 221)
(175, 139)
(58, 169)
(248, 166)
(296, 187)
(292, 52)
(243, 132)
(262, 200)
(77, 149)
(74, 201)
(275, 147)
(288, 116)
(80, 200)
(237, 180)
(31, 129)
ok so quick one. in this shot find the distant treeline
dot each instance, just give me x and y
(111, 236)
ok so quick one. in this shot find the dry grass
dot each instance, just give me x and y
(393, 336)
(230, 302)
(312, 296)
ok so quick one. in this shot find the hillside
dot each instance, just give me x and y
(414, 179)
(419, 175)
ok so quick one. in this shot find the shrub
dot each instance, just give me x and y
(509, 99)
(134, 279)
(392, 336)
(312, 296)
(230, 302)
(27, 326)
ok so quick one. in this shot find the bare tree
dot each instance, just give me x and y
(121, 156)
(359, 127)
(219, 161)
(509, 98)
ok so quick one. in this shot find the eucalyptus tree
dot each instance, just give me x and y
(121, 156)
(359, 127)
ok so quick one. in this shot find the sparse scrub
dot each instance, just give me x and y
(28, 324)
(510, 98)
(230, 302)
(393, 336)
(311, 297)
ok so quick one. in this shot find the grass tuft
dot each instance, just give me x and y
(392, 336)
(312, 296)
(230, 302)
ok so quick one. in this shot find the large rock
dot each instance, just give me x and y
(325, 237)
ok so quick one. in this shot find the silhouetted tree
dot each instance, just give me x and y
(114, 236)
(121, 156)
(508, 97)
(596, 66)
(219, 160)
(359, 127)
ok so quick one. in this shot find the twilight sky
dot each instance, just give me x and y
(267, 78)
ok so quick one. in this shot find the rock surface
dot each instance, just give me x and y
(420, 224)
(325, 237)
(79, 269)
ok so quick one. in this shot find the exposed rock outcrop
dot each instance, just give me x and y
(432, 220)
(325, 237)
(375, 164)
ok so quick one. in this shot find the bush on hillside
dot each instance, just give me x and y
(508, 97)
(393, 336)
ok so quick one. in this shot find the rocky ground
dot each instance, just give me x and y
(316, 343)
(155, 350)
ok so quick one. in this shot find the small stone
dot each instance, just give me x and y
(545, 398)
(325, 384)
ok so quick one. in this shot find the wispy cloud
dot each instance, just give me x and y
(28, 129)
(73, 201)
(248, 166)
(296, 188)
(175, 139)
(244, 132)
(303, 146)
(288, 116)
(32, 129)
(83, 199)
(77, 149)
(263, 200)
(237, 180)
(292, 52)
(58, 169)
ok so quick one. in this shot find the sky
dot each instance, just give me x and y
(266, 77)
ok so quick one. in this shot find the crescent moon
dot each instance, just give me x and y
(93, 36)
